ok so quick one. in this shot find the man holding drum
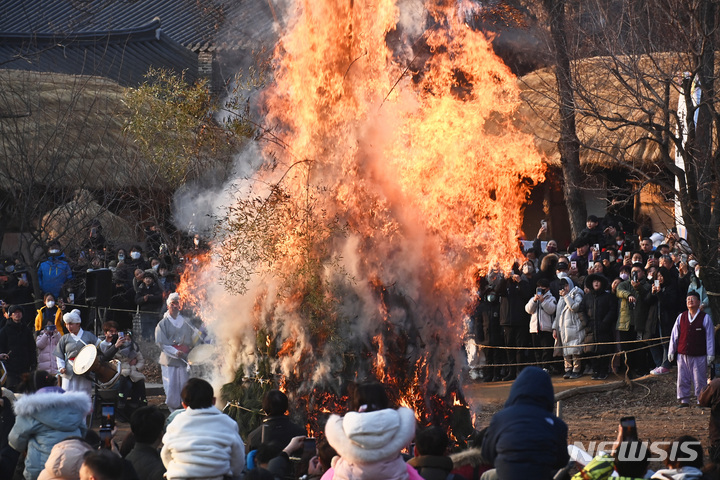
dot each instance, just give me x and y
(176, 337)
(69, 347)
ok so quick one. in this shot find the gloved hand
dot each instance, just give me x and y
(671, 357)
(710, 359)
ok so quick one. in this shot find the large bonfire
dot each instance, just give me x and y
(390, 179)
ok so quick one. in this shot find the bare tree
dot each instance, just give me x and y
(568, 144)
(65, 161)
(651, 54)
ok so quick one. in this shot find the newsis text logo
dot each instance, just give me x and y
(637, 451)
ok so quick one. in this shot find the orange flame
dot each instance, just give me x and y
(395, 174)
(193, 294)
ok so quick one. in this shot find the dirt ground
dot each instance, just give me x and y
(595, 416)
(151, 353)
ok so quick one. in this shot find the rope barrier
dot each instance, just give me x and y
(237, 405)
(560, 358)
(91, 306)
(568, 346)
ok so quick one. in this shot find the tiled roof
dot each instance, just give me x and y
(191, 23)
(120, 55)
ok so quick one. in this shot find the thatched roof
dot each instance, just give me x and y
(68, 131)
(621, 89)
(68, 223)
(65, 130)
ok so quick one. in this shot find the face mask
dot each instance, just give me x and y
(650, 277)
(619, 242)
(121, 257)
(611, 258)
(692, 263)
(54, 252)
(624, 276)
(156, 266)
(135, 255)
(527, 269)
(50, 303)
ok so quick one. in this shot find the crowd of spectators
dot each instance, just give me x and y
(602, 297)
(372, 439)
(609, 292)
(141, 279)
(129, 284)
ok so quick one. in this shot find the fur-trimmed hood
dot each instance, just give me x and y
(471, 456)
(59, 411)
(370, 437)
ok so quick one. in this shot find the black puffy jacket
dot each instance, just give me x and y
(525, 439)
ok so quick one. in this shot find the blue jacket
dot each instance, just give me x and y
(525, 436)
(53, 273)
(44, 419)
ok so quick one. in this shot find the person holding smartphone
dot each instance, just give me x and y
(661, 317)
(568, 328)
(635, 296)
(629, 458)
(541, 308)
(46, 341)
(599, 309)
(581, 256)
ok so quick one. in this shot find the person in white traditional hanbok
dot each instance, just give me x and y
(67, 349)
(175, 337)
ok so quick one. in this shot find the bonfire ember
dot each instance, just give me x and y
(389, 182)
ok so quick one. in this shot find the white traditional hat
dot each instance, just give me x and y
(172, 298)
(72, 317)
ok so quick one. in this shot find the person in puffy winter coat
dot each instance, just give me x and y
(369, 439)
(65, 460)
(542, 308)
(599, 310)
(524, 439)
(568, 327)
(46, 342)
(202, 442)
(50, 312)
(44, 419)
(55, 271)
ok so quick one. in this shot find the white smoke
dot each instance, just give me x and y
(197, 204)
